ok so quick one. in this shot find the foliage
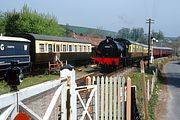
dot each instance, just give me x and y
(29, 21)
(124, 33)
(2, 22)
(158, 35)
(176, 46)
(29, 81)
(136, 80)
(135, 34)
(138, 35)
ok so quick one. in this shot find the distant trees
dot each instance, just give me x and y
(135, 34)
(124, 33)
(158, 35)
(31, 22)
(138, 35)
(2, 22)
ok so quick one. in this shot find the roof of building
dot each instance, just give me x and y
(94, 41)
(54, 38)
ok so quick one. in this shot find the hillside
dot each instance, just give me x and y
(93, 32)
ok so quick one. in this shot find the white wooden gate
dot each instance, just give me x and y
(113, 97)
(105, 100)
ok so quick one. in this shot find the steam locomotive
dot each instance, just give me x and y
(114, 52)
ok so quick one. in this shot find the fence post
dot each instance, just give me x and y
(69, 72)
(148, 95)
(144, 90)
(128, 109)
(63, 103)
(106, 98)
(102, 98)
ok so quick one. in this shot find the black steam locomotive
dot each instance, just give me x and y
(114, 52)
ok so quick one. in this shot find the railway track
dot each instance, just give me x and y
(82, 81)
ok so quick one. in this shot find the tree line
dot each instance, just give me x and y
(138, 35)
(29, 21)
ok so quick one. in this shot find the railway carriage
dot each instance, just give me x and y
(46, 49)
(13, 49)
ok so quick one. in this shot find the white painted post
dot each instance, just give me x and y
(119, 98)
(148, 96)
(98, 99)
(68, 71)
(106, 98)
(152, 85)
(16, 109)
(115, 97)
(63, 103)
(102, 98)
(73, 96)
(123, 98)
(110, 99)
(96, 104)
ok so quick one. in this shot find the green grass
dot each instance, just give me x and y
(137, 80)
(29, 81)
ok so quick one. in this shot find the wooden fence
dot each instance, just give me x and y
(150, 84)
(108, 99)
(114, 98)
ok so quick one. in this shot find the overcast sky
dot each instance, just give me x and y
(108, 14)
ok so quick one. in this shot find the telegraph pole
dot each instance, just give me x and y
(149, 21)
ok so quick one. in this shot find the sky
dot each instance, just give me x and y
(107, 14)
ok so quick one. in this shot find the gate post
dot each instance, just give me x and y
(69, 72)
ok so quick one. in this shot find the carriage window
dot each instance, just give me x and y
(75, 48)
(88, 48)
(49, 47)
(70, 48)
(41, 47)
(80, 48)
(64, 48)
(85, 49)
(130, 48)
(61, 47)
(57, 48)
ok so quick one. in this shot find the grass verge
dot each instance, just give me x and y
(137, 80)
(29, 81)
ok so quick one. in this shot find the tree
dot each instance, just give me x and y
(2, 23)
(124, 33)
(137, 34)
(158, 35)
(29, 21)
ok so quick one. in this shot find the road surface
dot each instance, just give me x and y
(172, 71)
